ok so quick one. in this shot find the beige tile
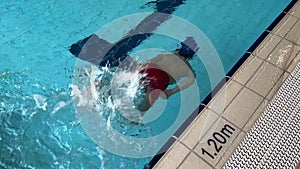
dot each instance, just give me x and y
(225, 96)
(276, 87)
(266, 47)
(242, 107)
(173, 157)
(247, 69)
(283, 54)
(293, 64)
(255, 116)
(264, 79)
(295, 10)
(223, 131)
(285, 25)
(198, 128)
(231, 150)
(294, 34)
(194, 162)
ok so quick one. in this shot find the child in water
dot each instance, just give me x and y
(165, 70)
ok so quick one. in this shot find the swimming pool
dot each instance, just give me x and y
(39, 127)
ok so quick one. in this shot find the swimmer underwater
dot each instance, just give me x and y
(159, 72)
(168, 69)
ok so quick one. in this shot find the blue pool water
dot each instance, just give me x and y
(38, 123)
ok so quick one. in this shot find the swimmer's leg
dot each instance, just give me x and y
(149, 100)
(145, 105)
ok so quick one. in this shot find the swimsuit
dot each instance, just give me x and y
(155, 78)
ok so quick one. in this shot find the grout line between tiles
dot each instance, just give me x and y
(298, 54)
(179, 141)
(264, 97)
(196, 154)
(264, 60)
(284, 70)
(191, 151)
(220, 117)
(297, 19)
(209, 108)
(200, 156)
(231, 122)
(226, 106)
(193, 122)
(284, 37)
(289, 13)
(211, 127)
(184, 159)
(252, 116)
(243, 86)
(287, 66)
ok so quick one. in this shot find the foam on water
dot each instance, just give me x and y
(40, 101)
(109, 89)
(111, 93)
(35, 38)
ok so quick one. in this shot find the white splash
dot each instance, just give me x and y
(40, 101)
(127, 91)
(76, 93)
(129, 81)
(88, 95)
(60, 105)
(108, 91)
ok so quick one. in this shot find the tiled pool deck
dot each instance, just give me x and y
(236, 107)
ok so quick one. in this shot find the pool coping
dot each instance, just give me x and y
(221, 84)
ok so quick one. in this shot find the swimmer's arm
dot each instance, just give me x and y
(188, 81)
(185, 84)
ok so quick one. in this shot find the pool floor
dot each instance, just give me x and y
(39, 127)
